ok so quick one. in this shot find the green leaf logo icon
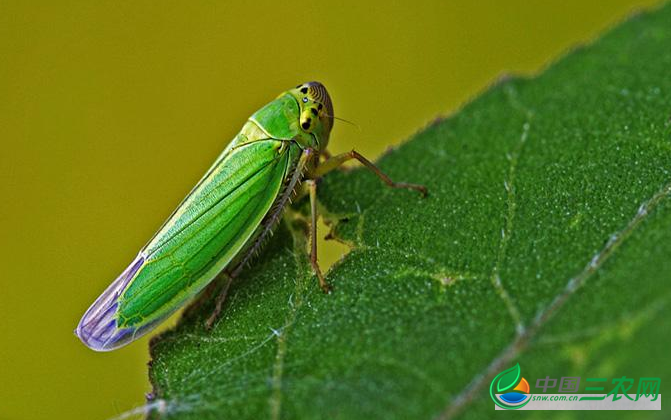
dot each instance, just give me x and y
(508, 378)
(514, 389)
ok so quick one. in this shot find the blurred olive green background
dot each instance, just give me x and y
(110, 112)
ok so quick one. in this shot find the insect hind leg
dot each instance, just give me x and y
(227, 279)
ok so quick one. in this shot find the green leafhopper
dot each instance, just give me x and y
(224, 219)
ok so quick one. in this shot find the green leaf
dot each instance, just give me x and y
(545, 241)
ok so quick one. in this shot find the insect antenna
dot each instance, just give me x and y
(346, 121)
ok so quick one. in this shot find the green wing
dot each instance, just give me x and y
(207, 230)
(215, 222)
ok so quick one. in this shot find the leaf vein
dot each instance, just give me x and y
(302, 282)
(511, 204)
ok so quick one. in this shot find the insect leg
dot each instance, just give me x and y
(335, 161)
(312, 186)
(220, 300)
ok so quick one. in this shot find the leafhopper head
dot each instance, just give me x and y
(316, 111)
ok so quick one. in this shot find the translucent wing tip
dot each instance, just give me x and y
(97, 328)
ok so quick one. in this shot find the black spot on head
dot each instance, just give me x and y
(304, 90)
(314, 111)
(306, 124)
(320, 107)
